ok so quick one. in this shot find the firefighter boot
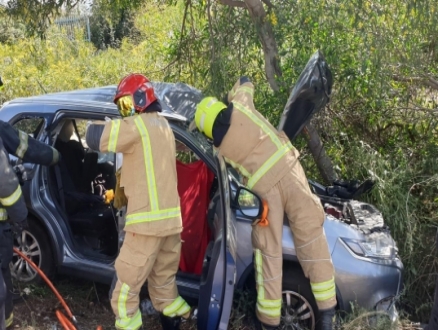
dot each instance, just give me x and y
(9, 320)
(327, 319)
(170, 323)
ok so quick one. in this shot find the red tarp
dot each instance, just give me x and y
(194, 184)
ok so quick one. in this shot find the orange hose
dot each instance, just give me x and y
(65, 322)
(49, 283)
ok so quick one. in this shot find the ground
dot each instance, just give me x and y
(89, 303)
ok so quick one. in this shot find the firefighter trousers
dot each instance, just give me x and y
(155, 259)
(292, 195)
(6, 253)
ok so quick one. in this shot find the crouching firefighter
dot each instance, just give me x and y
(13, 211)
(269, 163)
(152, 244)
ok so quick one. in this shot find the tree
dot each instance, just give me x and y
(273, 72)
(37, 14)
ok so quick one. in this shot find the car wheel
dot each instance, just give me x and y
(36, 246)
(299, 310)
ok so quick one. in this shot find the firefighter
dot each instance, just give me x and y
(13, 211)
(269, 163)
(152, 244)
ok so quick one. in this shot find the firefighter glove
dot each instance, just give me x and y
(109, 196)
(18, 227)
(120, 199)
(21, 173)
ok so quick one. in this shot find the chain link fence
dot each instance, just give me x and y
(71, 24)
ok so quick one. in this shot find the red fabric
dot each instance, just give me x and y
(194, 184)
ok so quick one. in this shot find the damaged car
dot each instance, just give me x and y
(72, 231)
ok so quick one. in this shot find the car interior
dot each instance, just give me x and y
(83, 175)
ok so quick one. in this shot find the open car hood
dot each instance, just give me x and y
(309, 95)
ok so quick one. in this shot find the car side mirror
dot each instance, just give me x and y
(249, 203)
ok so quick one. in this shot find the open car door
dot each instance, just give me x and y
(219, 273)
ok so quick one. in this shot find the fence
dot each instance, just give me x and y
(69, 24)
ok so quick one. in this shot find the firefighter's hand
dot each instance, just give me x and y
(109, 196)
(18, 227)
(21, 173)
(244, 79)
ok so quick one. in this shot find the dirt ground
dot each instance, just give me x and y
(90, 305)
(88, 301)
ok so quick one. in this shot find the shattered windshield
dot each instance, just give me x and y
(202, 142)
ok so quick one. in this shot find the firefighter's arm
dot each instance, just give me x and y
(11, 197)
(20, 144)
(243, 88)
(115, 136)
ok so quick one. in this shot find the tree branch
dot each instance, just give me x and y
(428, 81)
(233, 3)
(268, 3)
(178, 55)
(267, 40)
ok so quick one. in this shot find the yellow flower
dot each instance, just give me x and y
(273, 19)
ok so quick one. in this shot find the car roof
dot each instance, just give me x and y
(95, 100)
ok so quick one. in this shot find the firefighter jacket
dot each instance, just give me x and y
(148, 175)
(11, 198)
(260, 153)
(23, 146)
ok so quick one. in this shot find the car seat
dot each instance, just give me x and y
(87, 215)
(89, 170)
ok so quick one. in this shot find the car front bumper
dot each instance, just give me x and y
(369, 283)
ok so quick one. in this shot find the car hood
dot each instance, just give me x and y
(310, 94)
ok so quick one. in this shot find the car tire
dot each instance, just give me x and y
(297, 286)
(36, 246)
(298, 301)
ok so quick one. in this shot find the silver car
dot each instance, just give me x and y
(85, 243)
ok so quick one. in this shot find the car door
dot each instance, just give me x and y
(218, 279)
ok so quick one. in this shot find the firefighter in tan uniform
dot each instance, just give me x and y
(270, 165)
(152, 245)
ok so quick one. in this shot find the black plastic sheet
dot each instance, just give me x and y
(178, 97)
(310, 94)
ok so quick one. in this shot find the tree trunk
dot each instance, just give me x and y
(316, 147)
(273, 71)
(267, 39)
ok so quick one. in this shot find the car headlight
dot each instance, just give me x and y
(375, 245)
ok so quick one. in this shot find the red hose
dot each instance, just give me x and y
(64, 320)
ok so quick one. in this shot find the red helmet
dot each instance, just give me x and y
(141, 93)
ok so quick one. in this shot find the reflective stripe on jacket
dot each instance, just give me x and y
(252, 145)
(148, 174)
(3, 214)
